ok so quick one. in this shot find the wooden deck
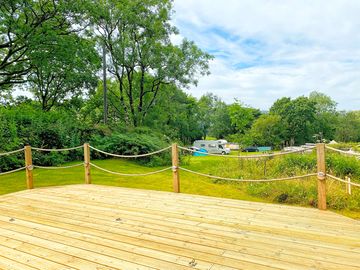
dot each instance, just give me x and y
(98, 227)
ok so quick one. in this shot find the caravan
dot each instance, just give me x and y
(213, 147)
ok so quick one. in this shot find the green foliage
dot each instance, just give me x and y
(142, 58)
(176, 116)
(343, 166)
(297, 116)
(64, 69)
(134, 142)
(28, 124)
(26, 26)
(348, 127)
(241, 116)
(267, 130)
(326, 116)
(293, 164)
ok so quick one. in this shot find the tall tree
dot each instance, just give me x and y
(142, 59)
(221, 122)
(207, 105)
(325, 116)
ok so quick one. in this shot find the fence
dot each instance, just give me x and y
(320, 152)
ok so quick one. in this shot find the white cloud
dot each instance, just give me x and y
(284, 48)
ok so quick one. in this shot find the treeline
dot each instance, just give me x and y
(55, 50)
(288, 122)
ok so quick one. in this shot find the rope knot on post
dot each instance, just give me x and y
(174, 168)
(321, 175)
(30, 167)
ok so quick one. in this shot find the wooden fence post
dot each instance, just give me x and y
(29, 167)
(175, 167)
(321, 175)
(87, 163)
(348, 185)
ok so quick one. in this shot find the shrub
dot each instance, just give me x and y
(28, 124)
(135, 142)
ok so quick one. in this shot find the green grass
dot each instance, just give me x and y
(162, 181)
(302, 192)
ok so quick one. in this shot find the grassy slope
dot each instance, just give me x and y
(163, 181)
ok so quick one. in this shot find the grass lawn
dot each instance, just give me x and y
(162, 181)
(191, 184)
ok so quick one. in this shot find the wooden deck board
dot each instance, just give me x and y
(100, 227)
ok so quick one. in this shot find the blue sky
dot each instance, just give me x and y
(267, 49)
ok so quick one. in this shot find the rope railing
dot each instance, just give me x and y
(58, 167)
(11, 152)
(175, 168)
(342, 151)
(57, 150)
(248, 180)
(245, 157)
(131, 156)
(342, 180)
(12, 171)
(130, 174)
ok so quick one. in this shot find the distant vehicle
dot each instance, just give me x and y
(213, 147)
(251, 149)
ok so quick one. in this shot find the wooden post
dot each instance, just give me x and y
(87, 163)
(175, 166)
(348, 185)
(29, 167)
(321, 176)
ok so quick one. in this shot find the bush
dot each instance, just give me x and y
(135, 142)
(28, 124)
(342, 166)
(292, 164)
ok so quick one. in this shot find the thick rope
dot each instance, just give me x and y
(57, 150)
(245, 157)
(248, 180)
(126, 174)
(11, 152)
(16, 170)
(58, 167)
(341, 180)
(342, 152)
(131, 156)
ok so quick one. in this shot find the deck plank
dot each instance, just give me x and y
(102, 227)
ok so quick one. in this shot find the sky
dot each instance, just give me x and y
(268, 49)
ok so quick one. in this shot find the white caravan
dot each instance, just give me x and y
(213, 147)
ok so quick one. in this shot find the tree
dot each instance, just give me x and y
(241, 116)
(325, 116)
(176, 115)
(297, 116)
(207, 105)
(141, 57)
(221, 122)
(64, 69)
(323, 103)
(268, 130)
(348, 127)
(24, 25)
